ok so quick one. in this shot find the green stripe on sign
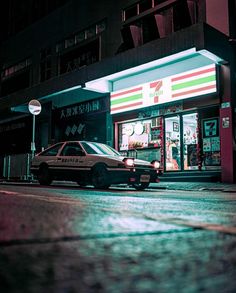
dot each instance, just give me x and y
(193, 82)
(127, 99)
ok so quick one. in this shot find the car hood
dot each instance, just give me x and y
(121, 158)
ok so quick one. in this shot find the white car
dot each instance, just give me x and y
(92, 163)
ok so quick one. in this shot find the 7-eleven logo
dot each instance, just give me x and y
(156, 90)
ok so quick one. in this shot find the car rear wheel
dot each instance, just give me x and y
(44, 176)
(100, 177)
(140, 186)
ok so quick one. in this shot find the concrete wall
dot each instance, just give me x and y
(217, 15)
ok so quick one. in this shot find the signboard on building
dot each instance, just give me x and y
(211, 127)
(88, 107)
(86, 120)
(188, 84)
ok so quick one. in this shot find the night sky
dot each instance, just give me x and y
(3, 19)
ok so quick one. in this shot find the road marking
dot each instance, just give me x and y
(196, 225)
(51, 199)
(8, 192)
(180, 222)
(48, 198)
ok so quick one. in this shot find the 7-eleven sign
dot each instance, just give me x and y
(156, 90)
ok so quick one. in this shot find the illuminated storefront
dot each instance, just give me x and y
(174, 119)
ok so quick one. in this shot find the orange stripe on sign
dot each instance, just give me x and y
(126, 92)
(126, 106)
(194, 91)
(192, 74)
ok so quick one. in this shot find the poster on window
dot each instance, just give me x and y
(192, 155)
(210, 127)
(215, 144)
(212, 159)
(206, 144)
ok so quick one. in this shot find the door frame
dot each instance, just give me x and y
(181, 139)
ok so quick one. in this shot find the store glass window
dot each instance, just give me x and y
(172, 144)
(140, 134)
(141, 139)
(134, 135)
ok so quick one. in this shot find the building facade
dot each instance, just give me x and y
(153, 78)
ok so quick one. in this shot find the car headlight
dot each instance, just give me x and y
(129, 162)
(156, 164)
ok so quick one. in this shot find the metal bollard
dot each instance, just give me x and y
(9, 167)
(28, 167)
(5, 167)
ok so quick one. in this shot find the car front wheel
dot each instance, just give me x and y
(44, 176)
(100, 177)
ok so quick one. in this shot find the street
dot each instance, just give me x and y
(70, 239)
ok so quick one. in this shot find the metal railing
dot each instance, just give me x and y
(17, 167)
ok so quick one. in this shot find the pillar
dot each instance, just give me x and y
(226, 128)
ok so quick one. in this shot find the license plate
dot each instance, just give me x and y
(144, 178)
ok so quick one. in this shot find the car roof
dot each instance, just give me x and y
(69, 141)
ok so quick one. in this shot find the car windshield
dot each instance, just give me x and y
(99, 149)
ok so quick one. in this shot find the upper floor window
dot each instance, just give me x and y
(81, 36)
(144, 5)
(90, 32)
(70, 42)
(147, 20)
(78, 57)
(16, 77)
(11, 70)
(137, 8)
(130, 12)
(45, 64)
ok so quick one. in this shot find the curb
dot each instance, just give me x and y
(186, 186)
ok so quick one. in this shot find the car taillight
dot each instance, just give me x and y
(156, 164)
(129, 162)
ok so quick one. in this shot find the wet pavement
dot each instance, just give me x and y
(64, 239)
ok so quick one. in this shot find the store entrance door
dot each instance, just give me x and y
(181, 142)
(190, 141)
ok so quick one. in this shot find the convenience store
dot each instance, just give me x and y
(175, 110)
(174, 119)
